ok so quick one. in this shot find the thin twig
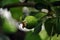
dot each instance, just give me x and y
(28, 4)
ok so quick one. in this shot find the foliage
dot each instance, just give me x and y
(51, 19)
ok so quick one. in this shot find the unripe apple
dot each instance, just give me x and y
(31, 22)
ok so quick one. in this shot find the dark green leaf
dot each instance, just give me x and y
(37, 29)
(53, 0)
(38, 1)
(50, 25)
(58, 25)
(57, 10)
(0, 3)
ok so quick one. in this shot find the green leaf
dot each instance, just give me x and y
(57, 10)
(40, 15)
(37, 29)
(8, 27)
(58, 37)
(31, 36)
(57, 19)
(38, 1)
(54, 37)
(43, 34)
(50, 26)
(58, 25)
(53, 0)
(0, 3)
(16, 12)
(5, 2)
(33, 13)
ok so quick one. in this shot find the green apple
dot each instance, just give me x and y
(31, 21)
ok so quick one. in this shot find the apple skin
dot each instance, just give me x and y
(31, 22)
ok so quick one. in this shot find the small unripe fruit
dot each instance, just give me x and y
(31, 22)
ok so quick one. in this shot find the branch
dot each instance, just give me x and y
(29, 4)
(56, 3)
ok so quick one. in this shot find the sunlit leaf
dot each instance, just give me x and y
(16, 12)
